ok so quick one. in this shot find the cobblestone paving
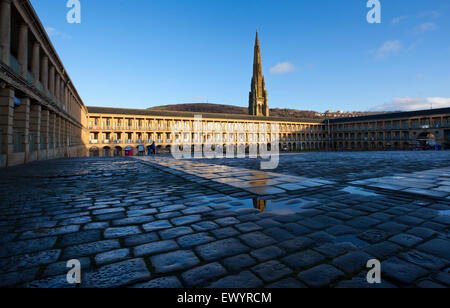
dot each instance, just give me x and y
(347, 166)
(136, 225)
(260, 183)
(432, 183)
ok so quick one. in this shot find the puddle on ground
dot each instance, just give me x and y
(351, 239)
(359, 191)
(444, 213)
(279, 207)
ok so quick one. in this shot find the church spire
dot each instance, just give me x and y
(258, 105)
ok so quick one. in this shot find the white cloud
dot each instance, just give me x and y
(414, 103)
(52, 32)
(388, 48)
(282, 68)
(398, 20)
(429, 14)
(421, 76)
(425, 27)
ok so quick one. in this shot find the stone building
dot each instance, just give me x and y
(41, 114)
(43, 117)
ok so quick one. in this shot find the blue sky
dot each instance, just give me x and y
(317, 55)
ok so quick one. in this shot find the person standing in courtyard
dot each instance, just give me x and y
(153, 148)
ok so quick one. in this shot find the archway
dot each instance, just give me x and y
(118, 151)
(106, 152)
(426, 140)
(93, 152)
(129, 151)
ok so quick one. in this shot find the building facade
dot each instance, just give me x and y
(117, 132)
(43, 117)
(398, 131)
(41, 114)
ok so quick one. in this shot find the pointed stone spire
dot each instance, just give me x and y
(258, 105)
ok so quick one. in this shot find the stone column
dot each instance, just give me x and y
(35, 127)
(21, 124)
(53, 131)
(44, 73)
(63, 94)
(64, 137)
(45, 125)
(5, 30)
(35, 63)
(51, 81)
(58, 132)
(23, 50)
(57, 87)
(6, 124)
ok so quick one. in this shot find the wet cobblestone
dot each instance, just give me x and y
(135, 225)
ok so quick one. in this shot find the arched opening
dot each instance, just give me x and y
(426, 140)
(118, 151)
(129, 151)
(106, 152)
(93, 152)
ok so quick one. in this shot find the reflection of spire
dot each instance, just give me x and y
(260, 204)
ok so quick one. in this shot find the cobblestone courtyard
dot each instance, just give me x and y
(315, 221)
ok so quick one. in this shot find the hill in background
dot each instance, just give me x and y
(228, 109)
(276, 112)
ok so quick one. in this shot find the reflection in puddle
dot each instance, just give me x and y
(349, 238)
(444, 213)
(260, 204)
(279, 207)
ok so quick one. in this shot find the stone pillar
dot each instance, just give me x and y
(51, 81)
(45, 125)
(5, 30)
(63, 94)
(23, 50)
(44, 73)
(21, 124)
(35, 63)
(57, 87)
(64, 137)
(58, 132)
(6, 124)
(52, 132)
(35, 128)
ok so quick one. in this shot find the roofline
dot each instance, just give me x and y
(393, 115)
(46, 39)
(184, 114)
